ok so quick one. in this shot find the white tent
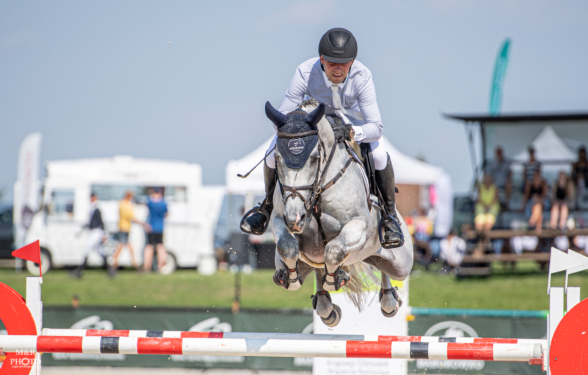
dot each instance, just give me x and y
(549, 147)
(407, 170)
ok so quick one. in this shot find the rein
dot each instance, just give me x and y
(317, 187)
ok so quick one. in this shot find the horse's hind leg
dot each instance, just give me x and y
(390, 302)
(329, 312)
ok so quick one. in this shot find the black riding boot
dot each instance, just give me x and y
(392, 232)
(77, 273)
(256, 220)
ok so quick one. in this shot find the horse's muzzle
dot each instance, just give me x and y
(295, 225)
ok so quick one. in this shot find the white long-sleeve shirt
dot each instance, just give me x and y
(357, 94)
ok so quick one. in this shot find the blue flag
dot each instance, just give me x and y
(498, 79)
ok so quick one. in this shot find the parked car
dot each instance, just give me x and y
(6, 234)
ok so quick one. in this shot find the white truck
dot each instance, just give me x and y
(189, 227)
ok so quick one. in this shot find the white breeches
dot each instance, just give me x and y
(93, 241)
(378, 151)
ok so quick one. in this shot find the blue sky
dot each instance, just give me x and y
(101, 79)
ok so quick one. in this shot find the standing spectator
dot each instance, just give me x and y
(487, 206)
(157, 213)
(560, 196)
(534, 200)
(126, 218)
(499, 170)
(94, 239)
(530, 167)
(580, 174)
(453, 249)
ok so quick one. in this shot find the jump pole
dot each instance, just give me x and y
(283, 336)
(528, 353)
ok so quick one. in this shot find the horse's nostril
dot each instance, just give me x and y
(302, 219)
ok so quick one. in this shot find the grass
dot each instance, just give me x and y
(521, 289)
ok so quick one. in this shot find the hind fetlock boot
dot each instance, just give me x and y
(392, 236)
(256, 220)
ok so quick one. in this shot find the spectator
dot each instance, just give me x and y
(487, 206)
(157, 213)
(453, 249)
(534, 200)
(126, 218)
(423, 226)
(530, 167)
(560, 196)
(499, 170)
(94, 239)
(580, 173)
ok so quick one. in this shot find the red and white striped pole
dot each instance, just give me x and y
(273, 348)
(283, 336)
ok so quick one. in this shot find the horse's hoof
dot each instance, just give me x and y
(281, 278)
(334, 318)
(392, 313)
(338, 279)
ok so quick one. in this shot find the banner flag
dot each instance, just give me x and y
(26, 189)
(498, 79)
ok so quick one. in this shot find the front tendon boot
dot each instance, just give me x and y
(392, 233)
(257, 219)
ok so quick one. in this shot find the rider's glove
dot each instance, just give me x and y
(342, 132)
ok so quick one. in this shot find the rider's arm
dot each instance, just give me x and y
(372, 129)
(298, 88)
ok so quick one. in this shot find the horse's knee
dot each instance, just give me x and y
(288, 247)
(335, 253)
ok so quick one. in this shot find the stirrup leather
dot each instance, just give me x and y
(390, 220)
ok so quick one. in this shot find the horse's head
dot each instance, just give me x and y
(300, 144)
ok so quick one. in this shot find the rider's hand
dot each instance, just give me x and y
(342, 132)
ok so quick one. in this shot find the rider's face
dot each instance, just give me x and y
(336, 73)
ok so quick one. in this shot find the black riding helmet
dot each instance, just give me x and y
(338, 46)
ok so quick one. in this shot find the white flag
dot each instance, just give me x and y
(26, 189)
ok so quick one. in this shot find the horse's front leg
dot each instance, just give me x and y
(329, 313)
(351, 238)
(290, 272)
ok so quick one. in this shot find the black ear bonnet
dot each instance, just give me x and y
(295, 150)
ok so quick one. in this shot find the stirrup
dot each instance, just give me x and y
(252, 211)
(282, 276)
(396, 224)
(317, 295)
(341, 278)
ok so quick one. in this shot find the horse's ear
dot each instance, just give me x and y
(277, 117)
(315, 116)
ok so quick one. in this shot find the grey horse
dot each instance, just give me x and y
(350, 247)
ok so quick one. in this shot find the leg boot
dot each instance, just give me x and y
(256, 220)
(392, 236)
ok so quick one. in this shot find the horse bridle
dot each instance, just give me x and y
(317, 187)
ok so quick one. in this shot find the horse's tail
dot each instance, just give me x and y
(361, 281)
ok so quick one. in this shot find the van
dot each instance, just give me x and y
(189, 226)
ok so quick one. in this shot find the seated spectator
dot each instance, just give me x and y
(560, 197)
(499, 170)
(453, 249)
(580, 173)
(534, 201)
(530, 167)
(423, 226)
(487, 206)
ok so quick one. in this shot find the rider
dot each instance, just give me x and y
(345, 85)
